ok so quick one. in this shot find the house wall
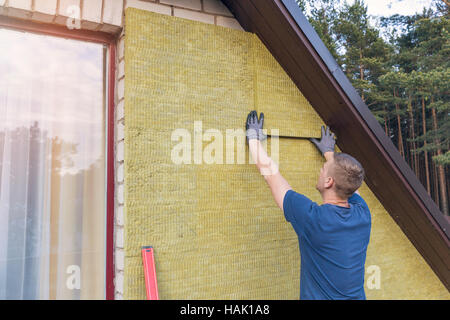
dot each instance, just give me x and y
(404, 274)
(108, 16)
(216, 230)
(208, 11)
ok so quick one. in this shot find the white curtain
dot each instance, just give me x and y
(52, 168)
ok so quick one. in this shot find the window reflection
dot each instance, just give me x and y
(52, 167)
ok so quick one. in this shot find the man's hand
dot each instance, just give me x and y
(254, 126)
(326, 143)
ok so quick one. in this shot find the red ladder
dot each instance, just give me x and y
(150, 273)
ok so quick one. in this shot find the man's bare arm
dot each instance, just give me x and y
(279, 186)
(269, 169)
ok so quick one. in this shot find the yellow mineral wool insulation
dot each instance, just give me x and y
(216, 231)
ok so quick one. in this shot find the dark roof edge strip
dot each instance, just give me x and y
(365, 113)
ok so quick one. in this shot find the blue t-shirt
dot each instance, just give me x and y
(333, 243)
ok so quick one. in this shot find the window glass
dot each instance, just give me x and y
(52, 167)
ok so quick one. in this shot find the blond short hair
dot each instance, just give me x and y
(347, 173)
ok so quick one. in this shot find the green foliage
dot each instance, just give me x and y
(443, 159)
(403, 77)
(394, 75)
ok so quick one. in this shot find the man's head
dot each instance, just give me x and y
(341, 174)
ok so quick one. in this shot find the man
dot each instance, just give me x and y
(333, 237)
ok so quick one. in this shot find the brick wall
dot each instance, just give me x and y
(208, 11)
(108, 16)
(98, 15)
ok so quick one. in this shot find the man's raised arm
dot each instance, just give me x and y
(267, 167)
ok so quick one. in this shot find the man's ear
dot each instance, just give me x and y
(329, 182)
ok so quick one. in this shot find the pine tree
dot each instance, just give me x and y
(364, 51)
(433, 50)
(323, 16)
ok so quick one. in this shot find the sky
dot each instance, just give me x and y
(390, 7)
(378, 8)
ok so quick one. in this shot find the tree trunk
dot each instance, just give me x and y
(442, 184)
(408, 153)
(385, 126)
(447, 173)
(385, 122)
(412, 136)
(435, 181)
(425, 153)
(361, 73)
(389, 127)
(416, 156)
(400, 136)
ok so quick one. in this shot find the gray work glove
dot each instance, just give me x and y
(253, 126)
(326, 142)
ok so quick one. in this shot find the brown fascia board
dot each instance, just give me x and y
(285, 31)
